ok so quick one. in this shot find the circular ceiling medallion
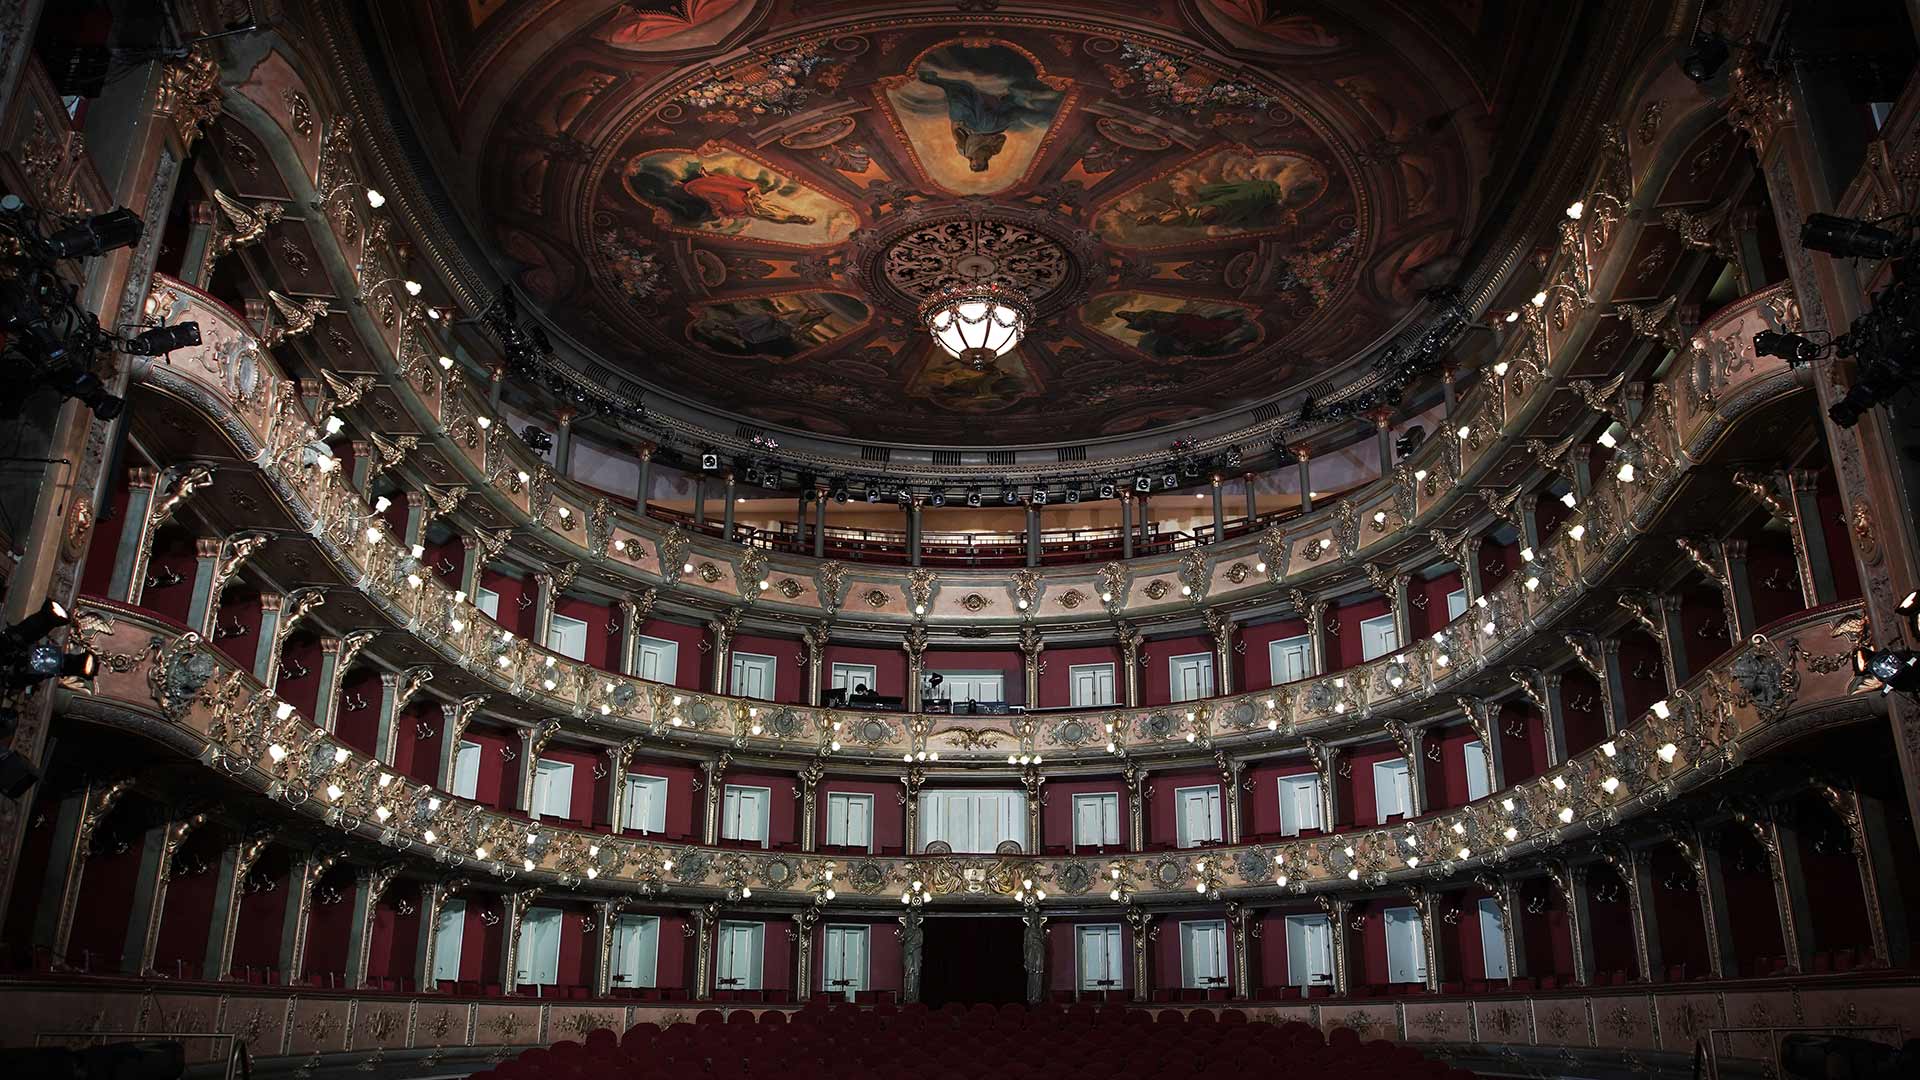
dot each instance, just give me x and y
(972, 250)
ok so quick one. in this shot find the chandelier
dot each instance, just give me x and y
(976, 321)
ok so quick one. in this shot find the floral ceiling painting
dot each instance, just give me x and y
(1208, 202)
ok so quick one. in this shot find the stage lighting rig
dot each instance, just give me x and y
(26, 658)
(50, 338)
(1884, 341)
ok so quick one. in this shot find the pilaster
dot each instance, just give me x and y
(129, 558)
(203, 609)
(266, 649)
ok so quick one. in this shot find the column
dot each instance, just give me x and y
(1222, 628)
(433, 898)
(1424, 902)
(1238, 917)
(1231, 770)
(801, 934)
(1383, 438)
(1401, 601)
(1513, 933)
(1032, 781)
(800, 522)
(722, 630)
(1126, 524)
(266, 648)
(1580, 461)
(1033, 534)
(362, 465)
(726, 515)
(453, 725)
(1417, 768)
(386, 739)
(513, 910)
(1251, 481)
(703, 928)
(496, 377)
(915, 645)
(196, 262)
(129, 560)
(1339, 909)
(523, 797)
(1809, 539)
(913, 531)
(562, 439)
(1130, 644)
(416, 530)
(1636, 875)
(1555, 717)
(1136, 777)
(1031, 646)
(604, 914)
(618, 758)
(1782, 843)
(203, 610)
(542, 608)
(299, 910)
(1673, 641)
(1739, 587)
(815, 637)
(699, 502)
(913, 938)
(1219, 510)
(628, 661)
(1305, 454)
(1872, 827)
(470, 567)
(644, 486)
(1711, 882)
(1578, 899)
(820, 521)
(1613, 686)
(236, 862)
(1470, 568)
(810, 778)
(1450, 394)
(910, 807)
(714, 770)
(327, 689)
(1141, 923)
(369, 884)
(79, 814)
(1315, 614)
(150, 891)
(1528, 507)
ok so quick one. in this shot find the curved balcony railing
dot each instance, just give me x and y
(236, 385)
(171, 685)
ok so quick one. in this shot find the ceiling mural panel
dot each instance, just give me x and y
(746, 203)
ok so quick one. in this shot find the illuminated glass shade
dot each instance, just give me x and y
(978, 322)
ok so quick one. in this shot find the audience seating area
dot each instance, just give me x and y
(1083, 1042)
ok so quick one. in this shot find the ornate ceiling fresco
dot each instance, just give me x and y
(741, 202)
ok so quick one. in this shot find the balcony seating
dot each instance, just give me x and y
(1082, 1043)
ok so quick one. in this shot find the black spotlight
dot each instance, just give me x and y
(973, 496)
(47, 659)
(537, 440)
(50, 617)
(709, 462)
(104, 232)
(1142, 484)
(1073, 494)
(1009, 496)
(74, 381)
(1410, 440)
(1793, 348)
(1170, 481)
(164, 339)
(840, 493)
(1705, 56)
(1108, 490)
(1889, 669)
(906, 497)
(17, 776)
(1283, 455)
(1039, 496)
(937, 498)
(873, 494)
(1231, 459)
(1851, 238)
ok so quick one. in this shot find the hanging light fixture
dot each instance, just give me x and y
(976, 321)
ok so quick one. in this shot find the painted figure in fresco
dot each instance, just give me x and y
(989, 92)
(698, 196)
(1169, 334)
(1269, 196)
(758, 330)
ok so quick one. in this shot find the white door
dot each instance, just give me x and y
(973, 685)
(1309, 950)
(644, 804)
(656, 659)
(753, 676)
(538, 961)
(566, 636)
(1096, 820)
(973, 822)
(449, 934)
(1456, 604)
(1203, 955)
(1092, 685)
(1479, 776)
(1101, 966)
(1392, 790)
(1493, 939)
(849, 820)
(1378, 637)
(552, 789)
(1299, 803)
(488, 602)
(845, 970)
(744, 813)
(466, 769)
(1290, 659)
(1192, 676)
(1406, 946)
(738, 966)
(1197, 818)
(636, 951)
(849, 676)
